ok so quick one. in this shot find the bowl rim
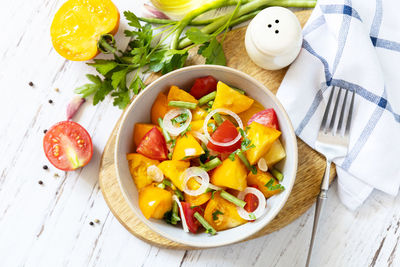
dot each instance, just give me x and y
(290, 135)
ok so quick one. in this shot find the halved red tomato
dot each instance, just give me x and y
(203, 86)
(266, 117)
(252, 202)
(153, 145)
(68, 146)
(192, 223)
(226, 132)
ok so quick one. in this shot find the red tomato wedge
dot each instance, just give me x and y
(192, 223)
(203, 86)
(252, 202)
(153, 145)
(226, 132)
(267, 118)
(68, 146)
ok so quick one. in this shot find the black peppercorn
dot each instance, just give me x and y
(45, 131)
(45, 167)
(91, 223)
(50, 101)
(40, 182)
(30, 83)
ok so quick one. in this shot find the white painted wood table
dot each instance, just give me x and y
(48, 225)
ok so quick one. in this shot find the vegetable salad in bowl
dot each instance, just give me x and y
(207, 160)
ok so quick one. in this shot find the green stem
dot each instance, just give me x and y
(233, 199)
(243, 18)
(239, 90)
(182, 104)
(205, 224)
(251, 6)
(208, 166)
(205, 99)
(165, 133)
(277, 174)
(243, 158)
(191, 15)
(218, 119)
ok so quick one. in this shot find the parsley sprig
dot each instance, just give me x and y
(144, 54)
(271, 187)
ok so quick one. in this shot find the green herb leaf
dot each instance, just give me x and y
(133, 20)
(213, 53)
(252, 216)
(86, 89)
(137, 85)
(215, 214)
(213, 126)
(271, 187)
(197, 36)
(121, 99)
(118, 78)
(104, 66)
(180, 119)
(94, 78)
(104, 89)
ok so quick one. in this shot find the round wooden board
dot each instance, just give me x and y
(310, 169)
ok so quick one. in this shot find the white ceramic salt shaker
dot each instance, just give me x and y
(273, 38)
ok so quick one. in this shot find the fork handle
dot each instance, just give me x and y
(323, 195)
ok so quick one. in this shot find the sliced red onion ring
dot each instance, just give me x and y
(260, 210)
(155, 173)
(262, 165)
(194, 172)
(184, 223)
(172, 114)
(200, 136)
(226, 111)
(210, 185)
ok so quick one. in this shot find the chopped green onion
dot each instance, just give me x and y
(277, 174)
(205, 224)
(167, 182)
(175, 215)
(233, 199)
(252, 216)
(243, 158)
(207, 98)
(211, 164)
(218, 119)
(165, 132)
(179, 194)
(182, 104)
(239, 90)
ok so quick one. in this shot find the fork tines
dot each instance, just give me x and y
(328, 122)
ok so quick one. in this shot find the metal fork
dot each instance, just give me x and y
(332, 143)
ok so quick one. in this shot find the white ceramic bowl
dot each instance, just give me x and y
(139, 111)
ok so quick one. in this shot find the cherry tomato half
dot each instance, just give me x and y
(203, 86)
(267, 118)
(68, 146)
(153, 145)
(252, 202)
(192, 223)
(226, 132)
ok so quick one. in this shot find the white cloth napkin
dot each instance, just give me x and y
(354, 45)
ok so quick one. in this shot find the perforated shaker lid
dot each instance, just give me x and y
(276, 30)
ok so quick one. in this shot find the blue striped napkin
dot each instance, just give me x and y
(354, 45)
